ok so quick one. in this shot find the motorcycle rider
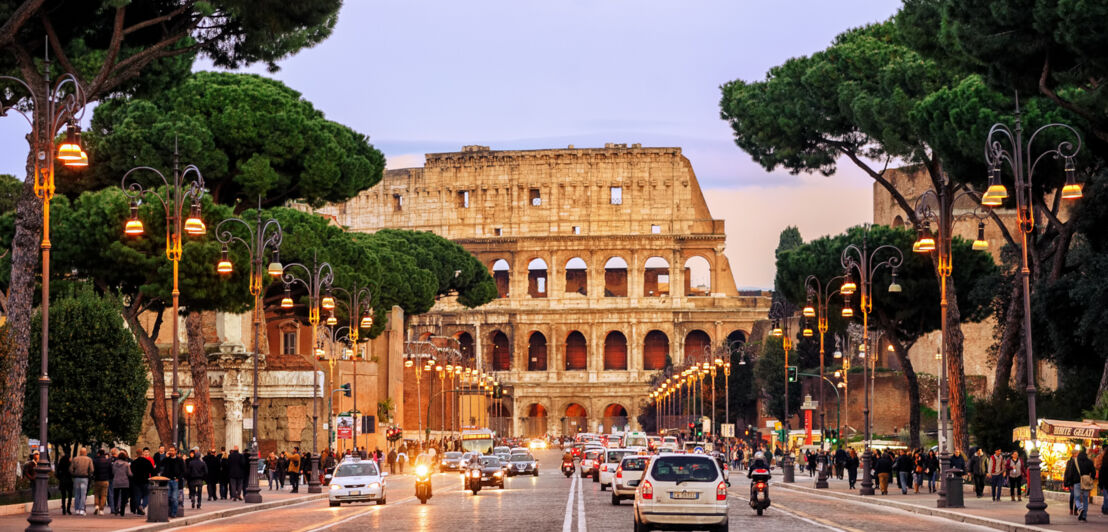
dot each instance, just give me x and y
(759, 462)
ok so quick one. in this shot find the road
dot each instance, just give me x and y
(552, 502)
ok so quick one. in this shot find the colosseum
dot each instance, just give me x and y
(608, 264)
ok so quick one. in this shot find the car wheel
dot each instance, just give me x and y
(381, 501)
(602, 488)
(721, 528)
(535, 473)
(334, 503)
(641, 527)
(615, 500)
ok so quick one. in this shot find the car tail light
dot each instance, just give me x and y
(619, 472)
(647, 490)
(721, 491)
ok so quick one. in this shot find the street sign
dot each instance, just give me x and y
(776, 425)
(727, 430)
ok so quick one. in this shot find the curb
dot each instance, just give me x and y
(219, 514)
(923, 510)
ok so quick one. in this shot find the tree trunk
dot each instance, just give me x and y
(198, 365)
(1102, 390)
(1009, 341)
(159, 411)
(913, 392)
(955, 370)
(25, 246)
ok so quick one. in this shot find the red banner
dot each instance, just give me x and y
(807, 427)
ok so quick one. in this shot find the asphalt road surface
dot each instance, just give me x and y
(552, 502)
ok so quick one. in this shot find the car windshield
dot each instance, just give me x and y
(453, 456)
(360, 469)
(633, 464)
(684, 468)
(490, 461)
(615, 456)
(521, 458)
(591, 455)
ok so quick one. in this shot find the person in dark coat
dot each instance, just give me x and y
(196, 472)
(852, 464)
(142, 468)
(904, 466)
(65, 483)
(1102, 480)
(979, 469)
(211, 463)
(236, 472)
(173, 468)
(884, 470)
(282, 470)
(224, 473)
(1077, 466)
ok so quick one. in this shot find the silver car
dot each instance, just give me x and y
(627, 477)
(357, 480)
(522, 464)
(681, 491)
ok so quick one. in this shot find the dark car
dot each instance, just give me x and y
(492, 472)
(523, 464)
(451, 461)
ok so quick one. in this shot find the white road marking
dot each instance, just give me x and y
(580, 508)
(567, 525)
(790, 514)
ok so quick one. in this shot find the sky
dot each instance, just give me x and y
(421, 76)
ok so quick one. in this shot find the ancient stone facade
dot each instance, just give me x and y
(608, 264)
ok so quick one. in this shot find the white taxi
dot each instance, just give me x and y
(609, 461)
(357, 480)
(628, 475)
(681, 490)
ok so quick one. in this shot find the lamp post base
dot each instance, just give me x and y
(787, 468)
(40, 512)
(944, 467)
(313, 480)
(867, 479)
(1036, 504)
(253, 493)
(821, 480)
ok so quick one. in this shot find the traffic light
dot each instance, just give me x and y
(345, 389)
(792, 373)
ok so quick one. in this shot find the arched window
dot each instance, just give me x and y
(577, 354)
(898, 221)
(698, 277)
(697, 343)
(615, 351)
(501, 272)
(655, 350)
(577, 277)
(576, 419)
(656, 277)
(465, 346)
(501, 352)
(615, 277)
(536, 278)
(615, 417)
(536, 352)
(534, 423)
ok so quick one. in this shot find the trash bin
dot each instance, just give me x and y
(954, 497)
(157, 510)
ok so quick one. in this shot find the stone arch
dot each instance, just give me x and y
(501, 351)
(501, 274)
(577, 352)
(698, 276)
(656, 277)
(615, 277)
(534, 420)
(697, 342)
(577, 276)
(898, 221)
(537, 280)
(655, 350)
(575, 419)
(615, 351)
(536, 352)
(465, 346)
(615, 417)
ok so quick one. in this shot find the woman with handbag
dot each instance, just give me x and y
(1014, 467)
(1080, 477)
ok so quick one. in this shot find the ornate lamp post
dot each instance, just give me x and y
(864, 263)
(47, 109)
(317, 280)
(359, 311)
(178, 195)
(780, 314)
(260, 236)
(938, 207)
(1005, 145)
(335, 335)
(820, 294)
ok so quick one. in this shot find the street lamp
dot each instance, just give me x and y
(1018, 155)
(819, 295)
(189, 407)
(179, 194)
(260, 236)
(317, 280)
(359, 311)
(780, 313)
(47, 110)
(335, 336)
(864, 263)
(938, 206)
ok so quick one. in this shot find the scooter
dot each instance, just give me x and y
(568, 468)
(473, 480)
(759, 489)
(423, 483)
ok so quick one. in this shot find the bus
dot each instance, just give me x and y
(477, 440)
(635, 440)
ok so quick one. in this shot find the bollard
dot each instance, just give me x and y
(954, 497)
(787, 469)
(157, 511)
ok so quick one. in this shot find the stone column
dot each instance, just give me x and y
(232, 404)
(635, 276)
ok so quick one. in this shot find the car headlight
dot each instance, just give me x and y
(335, 487)
(421, 470)
(375, 485)
(498, 473)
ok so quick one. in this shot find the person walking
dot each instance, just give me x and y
(402, 458)
(81, 469)
(271, 470)
(224, 473)
(142, 468)
(904, 466)
(852, 463)
(236, 464)
(121, 483)
(294, 469)
(979, 468)
(1102, 480)
(101, 477)
(113, 454)
(282, 470)
(840, 462)
(884, 471)
(173, 468)
(931, 471)
(1079, 476)
(392, 461)
(65, 482)
(211, 463)
(996, 474)
(1014, 469)
(196, 472)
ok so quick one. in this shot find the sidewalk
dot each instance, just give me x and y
(208, 511)
(1002, 515)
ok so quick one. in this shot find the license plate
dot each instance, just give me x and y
(355, 493)
(685, 495)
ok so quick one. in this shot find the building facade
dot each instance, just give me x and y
(608, 264)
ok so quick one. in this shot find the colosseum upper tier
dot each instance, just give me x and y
(608, 264)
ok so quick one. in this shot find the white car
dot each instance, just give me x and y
(609, 461)
(519, 450)
(357, 480)
(669, 441)
(681, 490)
(589, 459)
(628, 475)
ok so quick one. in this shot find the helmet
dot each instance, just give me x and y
(759, 456)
